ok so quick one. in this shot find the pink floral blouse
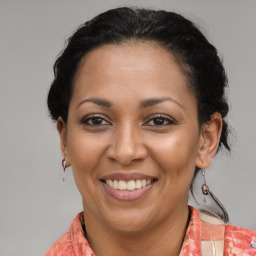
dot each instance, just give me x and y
(238, 241)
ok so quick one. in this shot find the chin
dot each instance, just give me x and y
(129, 222)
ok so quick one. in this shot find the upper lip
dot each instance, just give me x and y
(127, 176)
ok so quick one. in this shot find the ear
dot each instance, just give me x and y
(62, 129)
(209, 141)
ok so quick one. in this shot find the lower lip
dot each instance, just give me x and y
(125, 195)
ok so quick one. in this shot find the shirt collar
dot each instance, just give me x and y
(191, 245)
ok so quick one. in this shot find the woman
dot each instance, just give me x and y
(140, 106)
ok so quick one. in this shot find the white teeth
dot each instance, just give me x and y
(115, 184)
(122, 185)
(129, 185)
(109, 182)
(138, 184)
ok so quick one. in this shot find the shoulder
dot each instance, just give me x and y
(63, 246)
(73, 242)
(239, 241)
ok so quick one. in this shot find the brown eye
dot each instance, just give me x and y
(94, 121)
(160, 121)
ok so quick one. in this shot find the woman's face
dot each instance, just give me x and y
(132, 135)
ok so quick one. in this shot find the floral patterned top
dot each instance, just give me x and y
(238, 241)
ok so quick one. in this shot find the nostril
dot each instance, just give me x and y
(126, 152)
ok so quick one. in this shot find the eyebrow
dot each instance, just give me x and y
(144, 104)
(154, 101)
(100, 102)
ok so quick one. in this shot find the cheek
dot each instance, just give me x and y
(178, 144)
(85, 154)
(175, 157)
(175, 153)
(83, 148)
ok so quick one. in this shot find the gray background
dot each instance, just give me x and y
(36, 207)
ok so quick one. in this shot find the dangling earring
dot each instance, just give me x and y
(64, 168)
(206, 191)
(205, 188)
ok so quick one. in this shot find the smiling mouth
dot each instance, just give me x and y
(130, 185)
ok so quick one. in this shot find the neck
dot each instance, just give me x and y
(165, 238)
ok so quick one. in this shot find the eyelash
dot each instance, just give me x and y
(165, 119)
(162, 118)
(87, 119)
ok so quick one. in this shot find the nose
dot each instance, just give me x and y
(127, 146)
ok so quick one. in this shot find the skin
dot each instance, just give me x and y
(127, 137)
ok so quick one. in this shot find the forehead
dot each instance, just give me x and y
(143, 69)
(128, 53)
